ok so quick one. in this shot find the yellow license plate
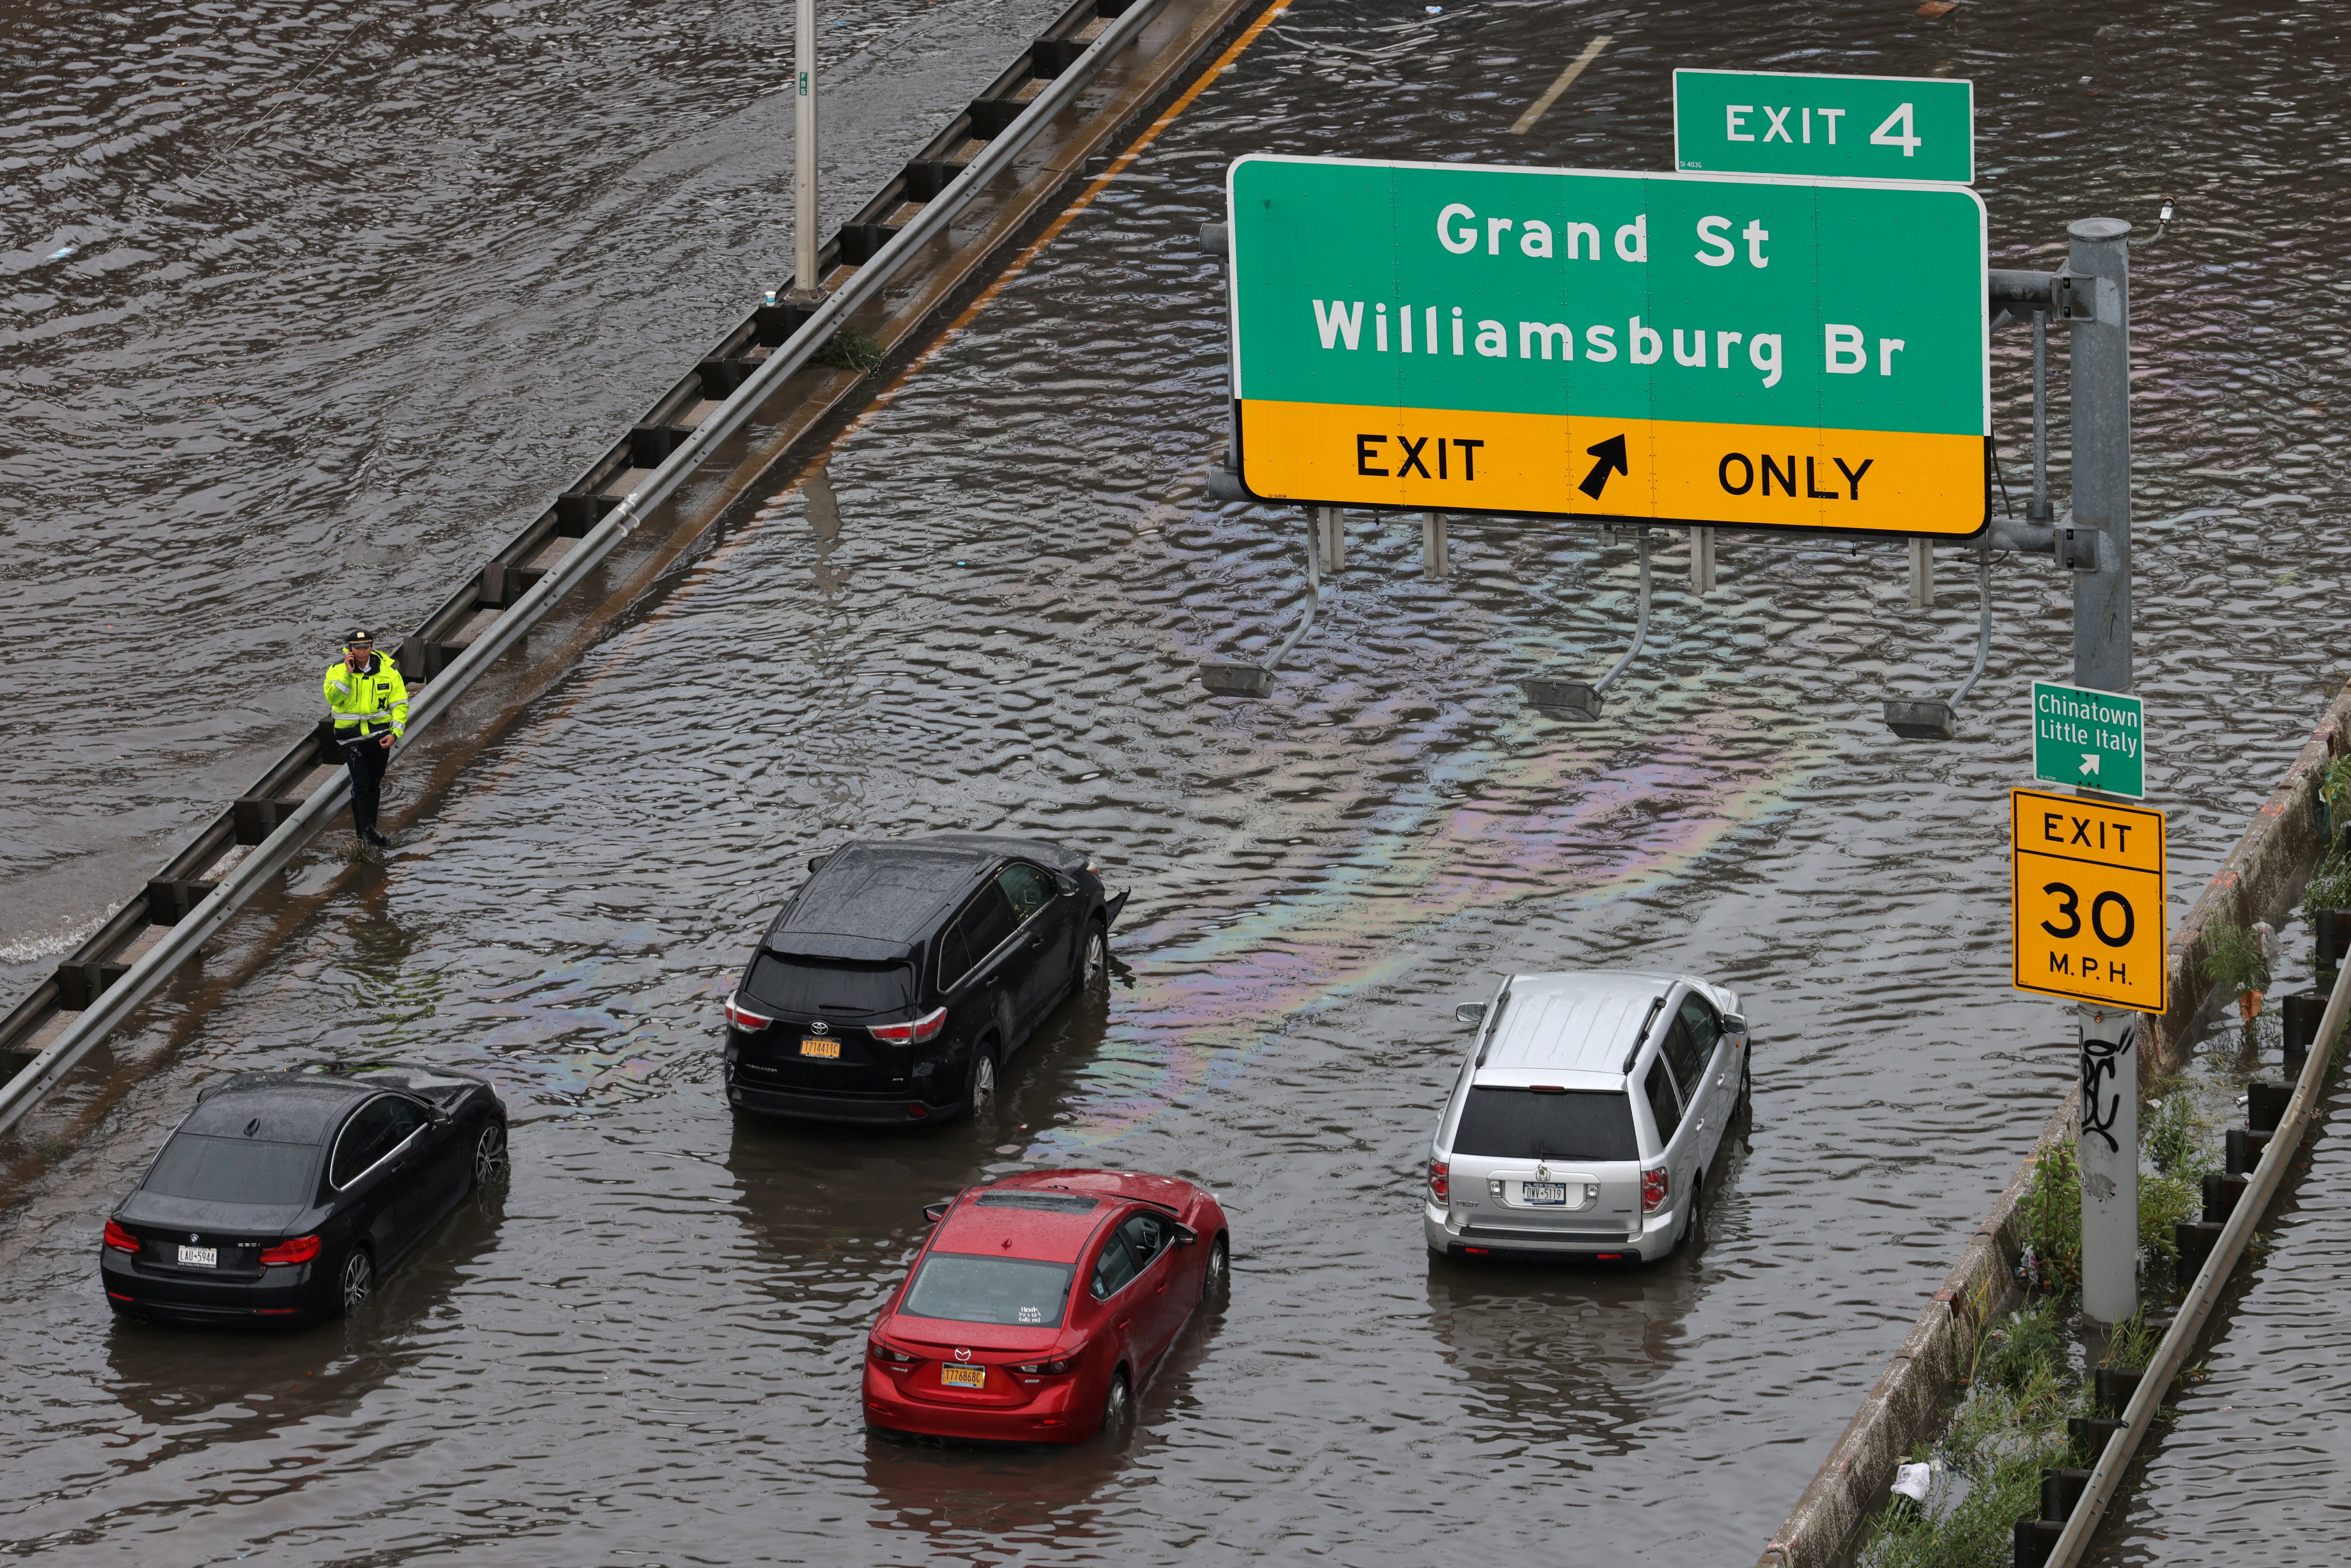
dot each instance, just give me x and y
(825, 1048)
(964, 1376)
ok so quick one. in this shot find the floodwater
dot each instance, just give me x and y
(305, 307)
(2250, 1466)
(647, 1348)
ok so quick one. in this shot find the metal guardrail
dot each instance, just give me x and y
(1066, 58)
(2188, 1325)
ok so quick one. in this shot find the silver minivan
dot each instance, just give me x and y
(1585, 1117)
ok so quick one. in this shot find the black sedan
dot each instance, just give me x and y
(283, 1196)
(895, 984)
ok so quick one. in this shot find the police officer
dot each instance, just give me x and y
(369, 701)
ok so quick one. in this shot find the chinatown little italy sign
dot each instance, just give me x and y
(1739, 351)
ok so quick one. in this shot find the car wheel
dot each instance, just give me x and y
(357, 1281)
(1694, 1218)
(980, 1084)
(489, 1153)
(1093, 968)
(1219, 1272)
(1118, 1409)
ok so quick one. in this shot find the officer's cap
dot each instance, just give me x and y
(358, 638)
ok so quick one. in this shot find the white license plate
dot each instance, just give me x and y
(199, 1257)
(1543, 1192)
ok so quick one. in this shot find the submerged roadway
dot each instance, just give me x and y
(987, 617)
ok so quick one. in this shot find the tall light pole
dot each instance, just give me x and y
(805, 281)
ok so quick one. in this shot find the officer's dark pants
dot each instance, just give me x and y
(366, 758)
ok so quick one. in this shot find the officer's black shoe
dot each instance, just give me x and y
(375, 837)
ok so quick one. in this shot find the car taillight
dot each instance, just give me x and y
(915, 1033)
(1440, 1180)
(122, 1240)
(742, 1016)
(895, 1357)
(1653, 1191)
(1046, 1368)
(301, 1249)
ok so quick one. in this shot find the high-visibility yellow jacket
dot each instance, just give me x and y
(367, 702)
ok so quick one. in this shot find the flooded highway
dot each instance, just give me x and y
(987, 616)
(306, 304)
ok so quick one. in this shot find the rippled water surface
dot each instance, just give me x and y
(647, 1349)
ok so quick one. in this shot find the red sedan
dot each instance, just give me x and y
(1039, 1304)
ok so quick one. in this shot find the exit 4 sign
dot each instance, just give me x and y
(2092, 740)
(1840, 127)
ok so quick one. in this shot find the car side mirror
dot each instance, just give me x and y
(1186, 1236)
(1734, 1023)
(935, 1212)
(1067, 885)
(1470, 1012)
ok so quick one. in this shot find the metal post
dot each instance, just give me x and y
(2100, 265)
(2107, 1141)
(1435, 559)
(1701, 561)
(1922, 574)
(2038, 509)
(805, 220)
(1331, 539)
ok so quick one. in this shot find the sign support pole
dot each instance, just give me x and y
(2108, 1145)
(2099, 262)
(805, 221)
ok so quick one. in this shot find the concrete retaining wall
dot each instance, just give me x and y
(2260, 880)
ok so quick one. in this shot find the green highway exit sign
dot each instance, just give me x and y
(1735, 350)
(1874, 127)
(2095, 739)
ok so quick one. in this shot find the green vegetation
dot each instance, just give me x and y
(851, 350)
(2051, 1213)
(2132, 1344)
(2232, 959)
(2011, 1422)
(2335, 789)
(2010, 1428)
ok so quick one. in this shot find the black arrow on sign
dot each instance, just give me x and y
(1611, 454)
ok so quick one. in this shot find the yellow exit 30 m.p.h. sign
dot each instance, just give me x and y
(1746, 352)
(2089, 900)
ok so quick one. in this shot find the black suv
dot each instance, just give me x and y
(895, 984)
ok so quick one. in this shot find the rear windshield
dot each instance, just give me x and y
(965, 1288)
(232, 1170)
(829, 985)
(1522, 1125)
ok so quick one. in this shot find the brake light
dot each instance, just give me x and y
(1654, 1191)
(915, 1033)
(1440, 1180)
(1046, 1368)
(744, 1017)
(301, 1249)
(895, 1357)
(122, 1240)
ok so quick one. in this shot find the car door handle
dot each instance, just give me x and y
(1123, 1323)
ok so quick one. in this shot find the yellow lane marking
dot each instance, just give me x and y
(1102, 183)
(1566, 79)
